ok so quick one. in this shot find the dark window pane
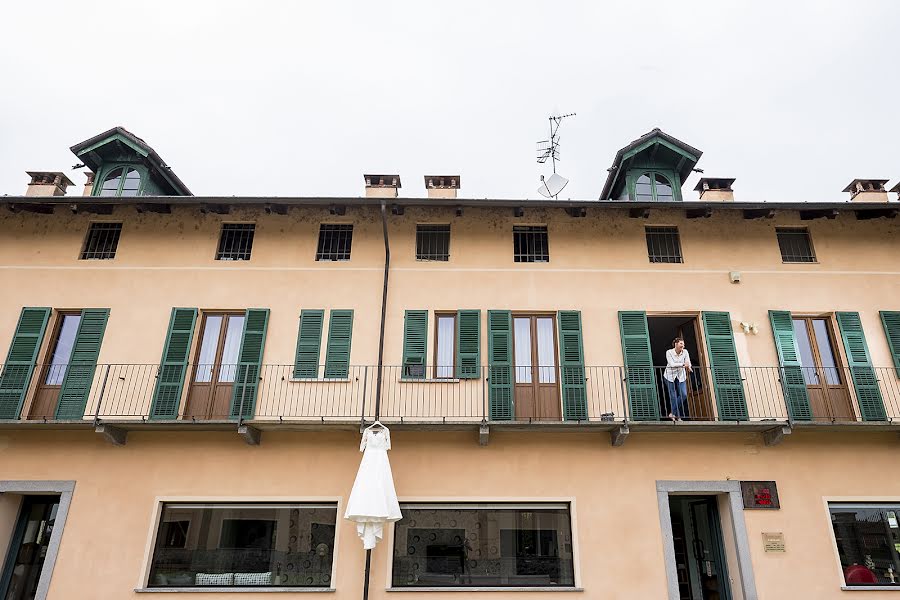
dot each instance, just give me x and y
(277, 545)
(335, 242)
(663, 245)
(102, 241)
(530, 244)
(110, 185)
(432, 242)
(795, 245)
(483, 545)
(867, 539)
(236, 241)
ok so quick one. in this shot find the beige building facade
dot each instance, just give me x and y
(188, 377)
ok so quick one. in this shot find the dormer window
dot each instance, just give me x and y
(121, 181)
(653, 187)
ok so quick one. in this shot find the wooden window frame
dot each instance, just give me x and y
(98, 181)
(200, 328)
(836, 350)
(534, 315)
(434, 368)
(60, 316)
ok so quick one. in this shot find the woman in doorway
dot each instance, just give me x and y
(678, 365)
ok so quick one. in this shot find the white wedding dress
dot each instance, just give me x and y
(373, 500)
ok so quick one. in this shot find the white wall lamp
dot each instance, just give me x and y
(750, 327)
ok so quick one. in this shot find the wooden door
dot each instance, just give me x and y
(536, 367)
(699, 399)
(829, 397)
(46, 396)
(215, 366)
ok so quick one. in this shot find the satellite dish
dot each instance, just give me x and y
(553, 186)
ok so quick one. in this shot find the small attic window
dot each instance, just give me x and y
(120, 182)
(653, 187)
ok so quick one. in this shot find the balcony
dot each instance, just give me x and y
(117, 398)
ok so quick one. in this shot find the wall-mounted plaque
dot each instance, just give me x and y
(773, 541)
(760, 494)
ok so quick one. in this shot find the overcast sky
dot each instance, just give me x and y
(291, 98)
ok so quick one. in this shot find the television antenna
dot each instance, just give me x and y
(549, 150)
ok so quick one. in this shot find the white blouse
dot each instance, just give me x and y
(675, 364)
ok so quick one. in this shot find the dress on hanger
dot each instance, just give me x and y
(373, 500)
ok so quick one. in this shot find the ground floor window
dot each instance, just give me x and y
(868, 542)
(244, 545)
(483, 545)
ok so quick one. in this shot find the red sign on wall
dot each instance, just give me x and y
(760, 494)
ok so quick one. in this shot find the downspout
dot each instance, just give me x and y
(384, 294)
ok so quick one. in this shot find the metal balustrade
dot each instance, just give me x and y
(133, 392)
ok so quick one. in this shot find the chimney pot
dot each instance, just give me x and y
(382, 186)
(47, 183)
(867, 190)
(715, 189)
(442, 186)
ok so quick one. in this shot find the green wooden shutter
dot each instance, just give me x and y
(500, 365)
(309, 343)
(249, 367)
(76, 385)
(726, 371)
(337, 354)
(793, 385)
(173, 364)
(640, 377)
(571, 363)
(468, 344)
(415, 343)
(868, 395)
(21, 360)
(891, 322)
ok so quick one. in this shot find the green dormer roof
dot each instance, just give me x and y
(655, 150)
(119, 146)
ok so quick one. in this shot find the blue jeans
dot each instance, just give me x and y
(677, 397)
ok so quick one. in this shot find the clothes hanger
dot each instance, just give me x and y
(377, 423)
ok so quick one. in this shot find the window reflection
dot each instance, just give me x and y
(208, 346)
(867, 538)
(62, 353)
(132, 183)
(546, 351)
(643, 188)
(805, 352)
(445, 342)
(233, 335)
(823, 342)
(523, 349)
(110, 185)
(663, 189)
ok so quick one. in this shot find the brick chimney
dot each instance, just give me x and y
(47, 183)
(442, 186)
(89, 184)
(896, 190)
(867, 190)
(715, 189)
(382, 186)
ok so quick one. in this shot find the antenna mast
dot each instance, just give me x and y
(549, 150)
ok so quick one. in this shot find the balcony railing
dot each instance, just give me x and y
(610, 394)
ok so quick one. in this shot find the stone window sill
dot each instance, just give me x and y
(320, 380)
(236, 589)
(544, 589)
(430, 380)
(872, 588)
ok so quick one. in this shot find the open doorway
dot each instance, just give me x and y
(665, 328)
(699, 545)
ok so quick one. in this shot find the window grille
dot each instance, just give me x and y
(102, 241)
(432, 242)
(334, 242)
(795, 245)
(236, 241)
(530, 243)
(664, 245)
